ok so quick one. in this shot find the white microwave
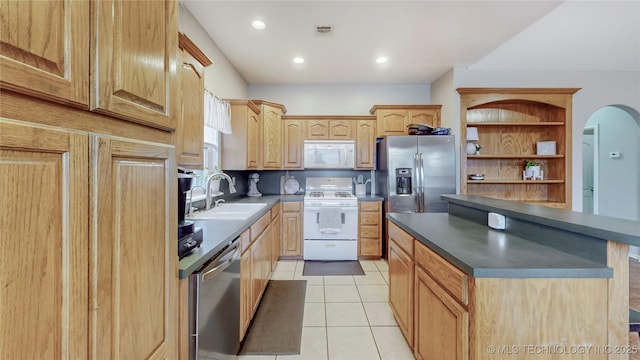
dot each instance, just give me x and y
(329, 154)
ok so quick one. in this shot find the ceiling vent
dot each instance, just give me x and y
(323, 30)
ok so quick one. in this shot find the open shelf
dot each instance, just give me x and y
(502, 181)
(542, 123)
(507, 156)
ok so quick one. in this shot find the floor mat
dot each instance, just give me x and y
(320, 268)
(277, 325)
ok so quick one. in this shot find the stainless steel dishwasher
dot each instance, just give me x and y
(214, 306)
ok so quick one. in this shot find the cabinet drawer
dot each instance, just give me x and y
(369, 247)
(275, 211)
(370, 218)
(258, 227)
(400, 237)
(452, 279)
(370, 231)
(370, 206)
(295, 206)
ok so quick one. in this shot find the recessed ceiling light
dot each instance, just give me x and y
(258, 25)
(381, 60)
(298, 60)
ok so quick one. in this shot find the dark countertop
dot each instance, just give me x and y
(597, 226)
(483, 252)
(370, 197)
(217, 233)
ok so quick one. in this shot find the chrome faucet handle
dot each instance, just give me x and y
(217, 202)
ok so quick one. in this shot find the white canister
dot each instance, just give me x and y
(361, 189)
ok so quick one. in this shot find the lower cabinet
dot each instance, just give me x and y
(275, 236)
(246, 291)
(369, 229)
(441, 323)
(401, 289)
(292, 241)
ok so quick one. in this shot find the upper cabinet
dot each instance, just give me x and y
(133, 57)
(366, 144)
(241, 149)
(329, 129)
(189, 134)
(271, 117)
(510, 123)
(393, 119)
(293, 132)
(43, 49)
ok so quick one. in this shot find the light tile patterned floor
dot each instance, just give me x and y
(345, 317)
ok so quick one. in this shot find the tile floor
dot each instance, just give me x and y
(345, 317)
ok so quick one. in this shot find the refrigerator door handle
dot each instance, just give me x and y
(416, 167)
(421, 183)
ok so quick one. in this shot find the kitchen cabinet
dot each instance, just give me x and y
(370, 229)
(509, 123)
(124, 84)
(45, 46)
(291, 246)
(271, 141)
(293, 137)
(275, 235)
(246, 292)
(393, 119)
(401, 280)
(133, 260)
(189, 134)
(329, 129)
(241, 150)
(44, 233)
(365, 145)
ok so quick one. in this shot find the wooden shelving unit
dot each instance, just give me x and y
(510, 122)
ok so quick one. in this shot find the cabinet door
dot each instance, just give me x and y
(246, 288)
(253, 140)
(275, 242)
(291, 229)
(317, 130)
(271, 138)
(392, 122)
(442, 324)
(430, 117)
(293, 144)
(133, 249)
(257, 270)
(44, 46)
(401, 290)
(44, 240)
(366, 144)
(340, 130)
(190, 128)
(134, 60)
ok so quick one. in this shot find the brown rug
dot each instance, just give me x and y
(329, 268)
(276, 328)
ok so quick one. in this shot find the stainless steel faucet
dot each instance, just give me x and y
(232, 187)
(190, 202)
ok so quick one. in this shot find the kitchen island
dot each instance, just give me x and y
(553, 284)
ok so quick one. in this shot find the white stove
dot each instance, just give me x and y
(330, 219)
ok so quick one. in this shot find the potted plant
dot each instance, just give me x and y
(532, 169)
(478, 148)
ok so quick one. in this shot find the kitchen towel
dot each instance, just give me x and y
(330, 220)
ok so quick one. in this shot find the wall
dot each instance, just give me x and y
(340, 99)
(221, 78)
(598, 89)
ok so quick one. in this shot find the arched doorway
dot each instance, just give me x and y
(611, 163)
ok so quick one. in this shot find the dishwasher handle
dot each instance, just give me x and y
(222, 262)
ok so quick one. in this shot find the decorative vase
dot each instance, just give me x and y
(532, 172)
(471, 148)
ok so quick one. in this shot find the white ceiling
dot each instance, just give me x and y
(421, 39)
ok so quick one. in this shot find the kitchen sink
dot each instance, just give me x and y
(233, 211)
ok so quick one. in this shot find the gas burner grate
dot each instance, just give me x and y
(316, 194)
(342, 194)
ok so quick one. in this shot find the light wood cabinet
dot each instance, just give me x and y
(366, 145)
(189, 134)
(329, 129)
(293, 145)
(44, 238)
(317, 130)
(401, 283)
(133, 257)
(241, 149)
(510, 122)
(441, 323)
(393, 119)
(275, 235)
(131, 35)
(45, 46)
(271, 149)
(246, 292)
(370, 229)
(292, 241)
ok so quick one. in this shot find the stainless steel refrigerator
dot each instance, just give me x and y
(413, 171)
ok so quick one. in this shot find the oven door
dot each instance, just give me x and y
(348, 229)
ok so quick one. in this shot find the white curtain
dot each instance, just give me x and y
(217, 113)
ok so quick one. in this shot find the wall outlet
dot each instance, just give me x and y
(497, 221)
